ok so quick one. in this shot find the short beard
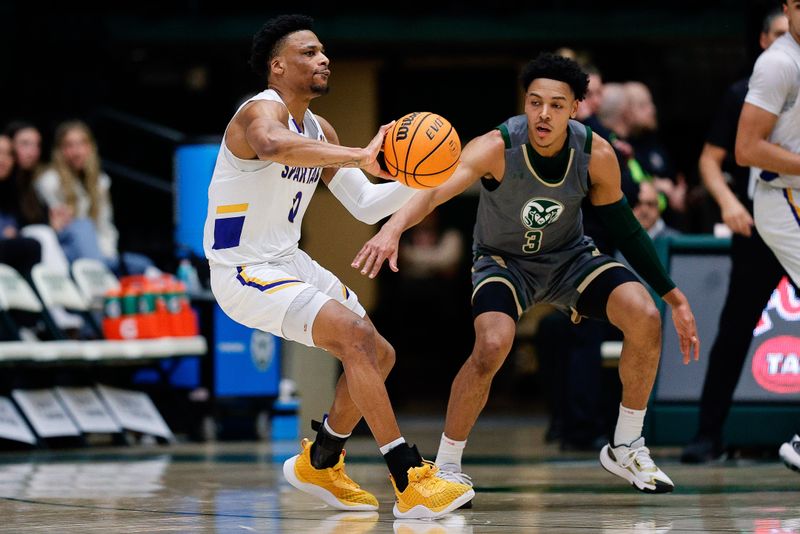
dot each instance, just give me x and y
(320, 90)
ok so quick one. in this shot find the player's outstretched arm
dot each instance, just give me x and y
(634, 243)
(259, 131)
(367, 202)
(481, 157)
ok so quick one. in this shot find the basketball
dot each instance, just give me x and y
(421, 150)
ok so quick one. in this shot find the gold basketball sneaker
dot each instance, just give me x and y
(331, 484)
(428, 496)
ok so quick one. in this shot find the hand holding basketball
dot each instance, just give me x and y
(421, 150)
(373, 149)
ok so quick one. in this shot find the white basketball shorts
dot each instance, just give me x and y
(260, 295)
(777, 217)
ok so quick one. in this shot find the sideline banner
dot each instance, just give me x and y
(88, 411)
(134, 410)
(12, 425)
(46, 415)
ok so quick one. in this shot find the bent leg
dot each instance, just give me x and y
(353, 341)
(631, 309)
(344, 415)
(494, 335)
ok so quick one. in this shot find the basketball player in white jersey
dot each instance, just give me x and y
(768, 137)
(273, 153)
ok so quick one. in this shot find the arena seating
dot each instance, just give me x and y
(56, 289)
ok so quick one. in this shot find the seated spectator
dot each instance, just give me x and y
(76, 186)
(588, 107)
(642, 120)
(30, 217)
(19, 252)
(26, 144)
(648, 213)
(23, 245)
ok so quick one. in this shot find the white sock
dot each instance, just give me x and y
(450, 452)
(330, 431)
(629, 426)
(392, 444)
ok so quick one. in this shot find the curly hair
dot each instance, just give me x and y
(558, 68)
(268, 40)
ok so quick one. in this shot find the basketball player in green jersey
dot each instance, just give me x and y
(529, 247)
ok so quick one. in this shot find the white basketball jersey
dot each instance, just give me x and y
(774, 87)
(256, 207)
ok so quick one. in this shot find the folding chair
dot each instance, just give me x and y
(56, 289)
(16, 295)
(94, 280)
(19, 304)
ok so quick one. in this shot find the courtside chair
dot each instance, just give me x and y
(19, 306)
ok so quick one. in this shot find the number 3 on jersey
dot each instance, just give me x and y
(533, 241)
(295, 206)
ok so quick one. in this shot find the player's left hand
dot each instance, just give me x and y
(384, 245)
(683, 319)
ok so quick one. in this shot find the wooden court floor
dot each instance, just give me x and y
(521, 484)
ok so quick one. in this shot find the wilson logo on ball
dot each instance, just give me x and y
(422, 150)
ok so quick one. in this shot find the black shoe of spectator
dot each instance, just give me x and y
(702, 450)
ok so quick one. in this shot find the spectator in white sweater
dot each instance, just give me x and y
(76, 183)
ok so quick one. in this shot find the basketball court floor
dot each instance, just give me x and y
(522, 486)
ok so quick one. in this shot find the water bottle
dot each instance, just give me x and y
(188, 275)
(285, 412)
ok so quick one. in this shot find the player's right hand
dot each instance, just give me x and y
(373, 149)
(384, 245)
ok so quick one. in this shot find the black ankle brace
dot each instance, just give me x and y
(326, 448)
(399, 460)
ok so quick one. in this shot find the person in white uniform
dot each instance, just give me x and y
(273, 154)
(768, 137)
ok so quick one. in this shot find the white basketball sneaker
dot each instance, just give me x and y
(790, 453)
(633, 463)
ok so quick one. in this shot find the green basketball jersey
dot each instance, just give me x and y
(536, 208)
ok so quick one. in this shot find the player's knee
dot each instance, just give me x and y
(651, 319)
(645, 324)
(490, 352)
(358, 340)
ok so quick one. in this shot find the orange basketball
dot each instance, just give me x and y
(421, 150)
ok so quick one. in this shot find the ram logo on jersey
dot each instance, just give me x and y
(540, 212)
(306, 175)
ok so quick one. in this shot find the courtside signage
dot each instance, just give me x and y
(46, 415)
(776, 360)
(134, 410)
(12, 426)
(88, 410)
